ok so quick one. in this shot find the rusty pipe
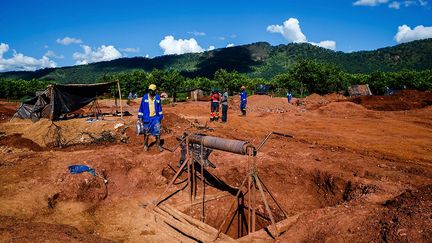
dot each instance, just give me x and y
(223, 144)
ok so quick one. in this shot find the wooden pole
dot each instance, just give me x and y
(266, 204)
(233, 203)
(51, 87)
(120, 96)
(249, 198)
(250, 153)
(172, 180)
(203, 183)
(271, 195)
(189, 158)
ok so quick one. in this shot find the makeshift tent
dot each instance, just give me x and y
(60, 99)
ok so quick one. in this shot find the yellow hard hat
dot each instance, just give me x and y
(152, 87)
(243, 87)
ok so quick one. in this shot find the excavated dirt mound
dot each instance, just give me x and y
(15, 230)
(82, 187)
(407, 217)
(313, 101)
(402, 100)
(335, 97)
(69, 132)
(7, 110)
(345, 108)
(17, 141)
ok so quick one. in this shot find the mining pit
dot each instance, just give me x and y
(356, 169)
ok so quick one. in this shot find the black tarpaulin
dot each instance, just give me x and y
(68, 98)
(60, 99)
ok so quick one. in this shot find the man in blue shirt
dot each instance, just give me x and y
(243, 100)
(150, 112)
(289, 96)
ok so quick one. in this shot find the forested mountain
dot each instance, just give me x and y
(256, 60)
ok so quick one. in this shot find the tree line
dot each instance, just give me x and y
(304, 78)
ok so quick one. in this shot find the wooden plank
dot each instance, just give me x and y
(263, 236)
(161, 226)
(186, 229)
(197, 223)
(200, 225)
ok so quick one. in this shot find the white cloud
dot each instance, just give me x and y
(147, 56)
(230, 45)
(233, 36)
(409, 3)
(69, 40)
(423, 2)
(394, 5)
(20, 62)
(172, 46)
(197, 33)
(50, 53)
(325, 44)
(369, 2)
(292, 32)
(211, 48)
(130, 49)
(406, 34)
(102, 53)
(222, 38)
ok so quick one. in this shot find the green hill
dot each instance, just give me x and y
(257, 60)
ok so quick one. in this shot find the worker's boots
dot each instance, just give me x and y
(158, 143)
(146, 147)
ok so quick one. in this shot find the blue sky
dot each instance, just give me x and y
(33, 33)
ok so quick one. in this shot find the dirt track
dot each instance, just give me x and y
(349, 174)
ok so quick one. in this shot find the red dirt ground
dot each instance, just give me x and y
(402, 100)
(7, 110)
(349, 174)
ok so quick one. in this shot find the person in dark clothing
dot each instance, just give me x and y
(289, 96)
(243, 100)
(225, 106)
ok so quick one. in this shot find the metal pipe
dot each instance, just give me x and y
(224, 144)
(268, 136)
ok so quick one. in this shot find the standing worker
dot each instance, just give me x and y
(214, 105)
(225, 106)
(243, 100)
(289, 96)
(150, 112)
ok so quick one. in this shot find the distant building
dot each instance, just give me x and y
(359, 90)
(198, 95)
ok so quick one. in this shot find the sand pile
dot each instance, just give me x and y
(74, 131)
(335, 97)
(313, 101)
(344, 108)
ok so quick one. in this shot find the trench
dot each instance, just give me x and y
(313, 190)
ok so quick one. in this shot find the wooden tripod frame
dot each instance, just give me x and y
(254, 182)
(190, 163)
